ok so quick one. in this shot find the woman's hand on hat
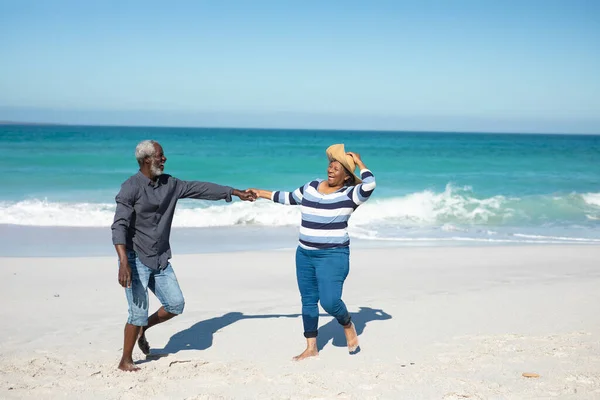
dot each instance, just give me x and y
(356, 158)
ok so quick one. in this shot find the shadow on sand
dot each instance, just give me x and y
(200, 335)
(332, 331)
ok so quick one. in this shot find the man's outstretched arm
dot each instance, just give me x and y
(211, 191)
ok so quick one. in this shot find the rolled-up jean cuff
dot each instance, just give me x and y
(138, 320)
(311, 334)
(176, 309)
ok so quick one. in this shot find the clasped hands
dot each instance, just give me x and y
(245, 195)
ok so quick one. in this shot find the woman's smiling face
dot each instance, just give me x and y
(336, 174)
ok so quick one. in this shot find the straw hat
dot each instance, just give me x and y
(338, 153)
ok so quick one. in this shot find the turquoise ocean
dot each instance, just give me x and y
(432, 188)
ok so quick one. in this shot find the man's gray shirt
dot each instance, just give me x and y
(145, 213)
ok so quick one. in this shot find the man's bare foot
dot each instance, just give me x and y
(143, 343)
(128, 366)
(351, 338)
(309, 352)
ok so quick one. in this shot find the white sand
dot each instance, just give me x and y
(456, 323)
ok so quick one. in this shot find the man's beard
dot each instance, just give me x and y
(155, 170)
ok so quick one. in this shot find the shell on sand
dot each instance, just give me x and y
(530, 375)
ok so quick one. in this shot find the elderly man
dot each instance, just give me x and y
(140, 233)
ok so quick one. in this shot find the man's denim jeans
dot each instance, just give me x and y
(163, 283)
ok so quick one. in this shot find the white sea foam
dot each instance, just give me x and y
(539, 239)
(423, 208)
(44, 213)
(453, 205)
(560, 238)
(592, 199)
(453, 210)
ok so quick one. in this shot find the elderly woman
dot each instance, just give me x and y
(322, 257)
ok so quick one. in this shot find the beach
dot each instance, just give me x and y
(453, 147)
(474, 262)
(434, 323)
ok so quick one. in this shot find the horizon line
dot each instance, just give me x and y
(467, 132)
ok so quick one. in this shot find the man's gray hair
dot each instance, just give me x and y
(144, 149)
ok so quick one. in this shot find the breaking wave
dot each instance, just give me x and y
(452, 210)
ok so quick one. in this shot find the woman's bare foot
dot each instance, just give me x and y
(128, 366)
(306, 353)
(143, 343)
(351, 338)
(311, 350)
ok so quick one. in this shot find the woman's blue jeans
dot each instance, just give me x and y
(321, 275)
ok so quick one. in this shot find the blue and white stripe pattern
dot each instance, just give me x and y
(325, 216)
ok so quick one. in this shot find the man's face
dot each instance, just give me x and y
(157, 162)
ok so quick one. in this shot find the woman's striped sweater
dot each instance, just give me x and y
(325, 216)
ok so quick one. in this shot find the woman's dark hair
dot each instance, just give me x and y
(351, 181)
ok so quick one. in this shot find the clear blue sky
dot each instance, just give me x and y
(425, 65)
